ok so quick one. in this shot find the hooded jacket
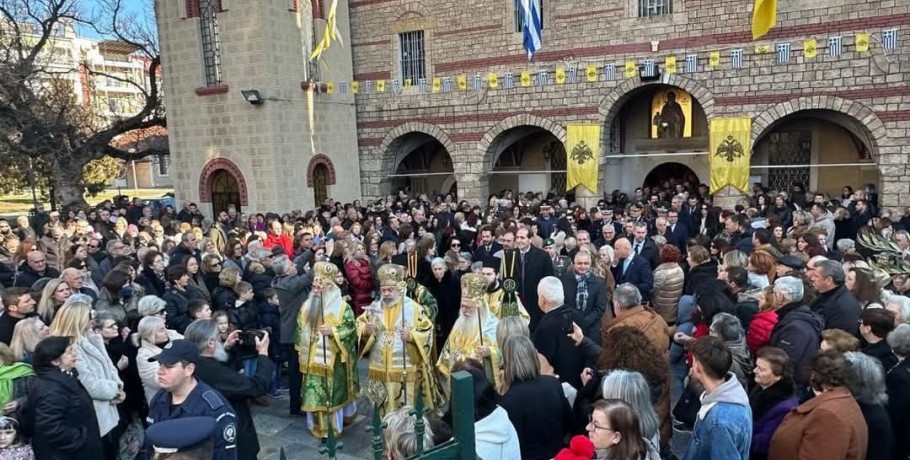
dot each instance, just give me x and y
(723, 427)
(798, 332)
(742, 361)
(495, 437)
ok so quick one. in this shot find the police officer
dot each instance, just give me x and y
(182, 395)
(187, 438)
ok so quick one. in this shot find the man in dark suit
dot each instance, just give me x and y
(390, 231)
(644, 246)
(533, 264)
(678, 231)
(550, 338)
(488, 246)
(586, 293)
(690, 215)
(633, 269)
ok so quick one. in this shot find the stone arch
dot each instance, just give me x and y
(320, 159)
(865, 123)
(413, 10)
(205, 179)
(394, 137)
(622, 93)
(491, 139)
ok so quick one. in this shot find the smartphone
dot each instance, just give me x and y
(567, 323)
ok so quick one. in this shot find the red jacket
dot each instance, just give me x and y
(272, 240)
(759, 333)
(360, 279)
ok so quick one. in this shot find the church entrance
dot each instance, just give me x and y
(320, 184)
(667, 175)
(225, 191)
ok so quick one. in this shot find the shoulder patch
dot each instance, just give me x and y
(213, 399)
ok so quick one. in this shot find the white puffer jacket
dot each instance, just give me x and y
(99, 377)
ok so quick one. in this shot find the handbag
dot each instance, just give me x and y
(686, 410)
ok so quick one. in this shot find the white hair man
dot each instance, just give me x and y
(327, 347)
(798, 329)
(474, 334)
(551, 336)
(399, 341)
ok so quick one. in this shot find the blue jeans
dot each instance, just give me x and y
(249, 367)
(276, 376)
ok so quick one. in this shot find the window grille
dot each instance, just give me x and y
(211, 43)
(520, 17)
(412, 60)
(648, 8)
(163, 165)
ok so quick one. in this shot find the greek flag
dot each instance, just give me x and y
(509, 82)
(542, 78)
(573, 74)
(477, 83)
(737, 56)
(396, 85)
(610, 72)
(691, 63)
(783, 53)
(343, 87)
(368, 86)
(447, 84)
(649, 67)
(530, 10)
(835, 46)
(889, 39)
(422, 85)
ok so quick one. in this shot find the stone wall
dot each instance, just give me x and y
(474, 37)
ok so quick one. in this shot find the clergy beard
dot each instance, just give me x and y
(314, 312)
(465, 326)
(389, 302)
(220, 355)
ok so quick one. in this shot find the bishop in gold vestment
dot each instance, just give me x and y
(474, 334)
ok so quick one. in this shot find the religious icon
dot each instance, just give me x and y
(671, 114)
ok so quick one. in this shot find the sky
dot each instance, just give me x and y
(141, 8)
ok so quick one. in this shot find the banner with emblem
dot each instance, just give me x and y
(582, 155)
(730, 153)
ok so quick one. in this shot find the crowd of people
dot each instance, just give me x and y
(599, 333)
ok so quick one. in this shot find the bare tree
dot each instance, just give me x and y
(42, 123)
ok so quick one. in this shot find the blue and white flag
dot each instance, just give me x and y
(509, 81)
(343, 87)
(889, 39)
(783, 53)
(691, 63)
(835, 46)
(447, 84)
(422, 85)
(530, 12)
(368, 86)
(542, 79)
(477, 83)
(610, 72)
(737, 56)
(573, 73)
(649, 70)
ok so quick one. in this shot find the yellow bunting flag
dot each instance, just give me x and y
(462, 83)
(862, 42)
(525, 79)
(560, 75)
(762, 49)
(670, 64)
(631, 69)
(764, 16)
(582, 155)
(810, 48)
(714, 59)
(730, 153)
(380, 86)
(591, 73)
(355, 86)
(407, 83)
(437, 84)
(330, 87)
(493, 80)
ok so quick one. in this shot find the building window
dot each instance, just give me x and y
(520, 17)
(648, 8)
(413, 66)
(211, 43)
(163, 165)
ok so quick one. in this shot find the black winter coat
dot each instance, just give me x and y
(26, 276)
(798, 332)
(178, 310)
(541, 415)
(699, 277)
(151, 283)
(881, 435)
(448, 301)
(840, 309)
(60, 418)
(898, 383)
(551, 341)
(223, 298)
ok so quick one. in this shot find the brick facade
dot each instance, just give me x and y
(867, 94)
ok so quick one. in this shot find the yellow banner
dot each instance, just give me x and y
(670, 64)
(560, 76)
(591, 73)
(355, 86)
(730, 153)
(631, 69)
(380, 86)
(862, 42)
(407, 83)
(810, 48)
(525, 79)
(330, 88)
(493, 80)
(764, 17)
(462, 83)
(582, 155)
(714, 59)
(762, 49)
(437, 84)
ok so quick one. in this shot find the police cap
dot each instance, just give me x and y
(180, 434)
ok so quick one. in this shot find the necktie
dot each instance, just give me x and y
(522, 268)
(638, 248)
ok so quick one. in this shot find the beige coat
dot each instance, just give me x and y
(669, 279)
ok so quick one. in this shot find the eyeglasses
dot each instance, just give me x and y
(456, 245)
(594, 424)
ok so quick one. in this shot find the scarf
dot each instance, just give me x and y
(764, 400)
(581, 297)
(9, 373)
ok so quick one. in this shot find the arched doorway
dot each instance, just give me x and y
(672, 174)
(656, 126)
(422, 164)
(224, 191)
(823, 150)
(528, 158)
(320, 184)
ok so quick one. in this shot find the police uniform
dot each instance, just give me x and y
(188, 436)
(203, 401)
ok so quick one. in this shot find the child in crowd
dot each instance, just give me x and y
(270, 319)
(199, 309)
(243, 317)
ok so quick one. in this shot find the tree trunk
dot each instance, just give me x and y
(68, 189)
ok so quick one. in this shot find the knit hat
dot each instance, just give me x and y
(580, 448)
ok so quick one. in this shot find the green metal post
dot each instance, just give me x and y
(375, 428)
(419, 427)
(463, 415)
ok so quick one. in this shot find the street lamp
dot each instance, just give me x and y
(253, 96)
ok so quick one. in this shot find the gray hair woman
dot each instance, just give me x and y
(900, 306)
(898, 383)
(730, 329)
(632, 388)
(401, 436)
(509, 326)
(868, 388)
